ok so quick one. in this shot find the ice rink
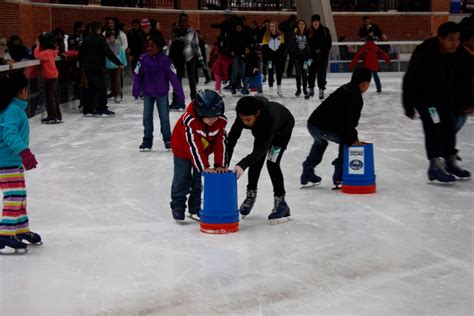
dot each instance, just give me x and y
(112, 248)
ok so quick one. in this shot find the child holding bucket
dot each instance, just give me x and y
(271, 124)
(336, 120)
(199, 132)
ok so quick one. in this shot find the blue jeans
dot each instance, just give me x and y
(316, 153)
(254, 81)
(163, 111)
(186, 180)
(378, 84)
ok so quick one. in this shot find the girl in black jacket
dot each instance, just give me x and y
(320, 44)
(300, 49)
(273, 48)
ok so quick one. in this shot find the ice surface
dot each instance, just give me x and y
(112, 248)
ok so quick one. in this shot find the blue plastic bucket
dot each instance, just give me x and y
(220, 213)
(358, 168)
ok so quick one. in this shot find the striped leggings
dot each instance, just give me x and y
(14, 219)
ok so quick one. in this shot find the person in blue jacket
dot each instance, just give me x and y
(153, 73)
(15, 156)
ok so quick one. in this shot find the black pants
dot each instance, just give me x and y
(319, 67)
(291, 63)
(274, 169)
(52, 99)
(95, 87)
(180, 65)
(440, 139)
(301, 74)
(278, 65)
(205, 72)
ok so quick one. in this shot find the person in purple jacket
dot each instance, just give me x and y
(152, 75)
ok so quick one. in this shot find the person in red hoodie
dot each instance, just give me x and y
(370, 53)
(46, 51)
(199, 132)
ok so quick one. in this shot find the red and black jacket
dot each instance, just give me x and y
(194, 140)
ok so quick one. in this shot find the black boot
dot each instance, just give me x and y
(248, 203)
(12, 242)
(453, 168)
(280, 212)
(438, 172)
(32, 238)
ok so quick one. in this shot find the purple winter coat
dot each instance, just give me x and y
(153, 74)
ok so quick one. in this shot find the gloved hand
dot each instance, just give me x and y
(310, 61)
(28, 159)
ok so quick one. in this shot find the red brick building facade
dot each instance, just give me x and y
(28, 19)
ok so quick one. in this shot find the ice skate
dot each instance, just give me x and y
(144, 147)
(337, 186)
(321, 94)
(453, 168)
(279, 92)
(248, 203)
(178, 216)
(195, 215)
(280, 212)
(309, 179)
(437, 172)
(31, 237)
(14, 243)
(298, 93)
(310, 94)
(168, 145)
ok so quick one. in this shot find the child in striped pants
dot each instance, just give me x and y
(15, 156)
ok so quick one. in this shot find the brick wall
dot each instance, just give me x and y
(10, 21)
(37, 18)
(440, 5)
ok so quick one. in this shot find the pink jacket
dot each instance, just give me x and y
(48, 63)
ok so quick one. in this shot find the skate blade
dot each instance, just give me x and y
(336, 188)
(194, 217)
(30, 244)
(280, 220)
(7, 251)
(310, 185)
(145, 150)
(440, 183)
(179, 221)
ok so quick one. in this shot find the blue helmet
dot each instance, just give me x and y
(208, 103)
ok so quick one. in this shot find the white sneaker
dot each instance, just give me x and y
(118, 99)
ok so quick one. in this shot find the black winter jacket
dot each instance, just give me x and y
(273, 126)
(92, 54)
(340, 113)
(320, 41)
(430, 80)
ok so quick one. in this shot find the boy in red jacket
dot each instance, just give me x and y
(370, 53)
(198, 133)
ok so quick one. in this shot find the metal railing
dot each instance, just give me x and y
(381, 5)
(399, 52)
(257, 5)
(122, 3)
